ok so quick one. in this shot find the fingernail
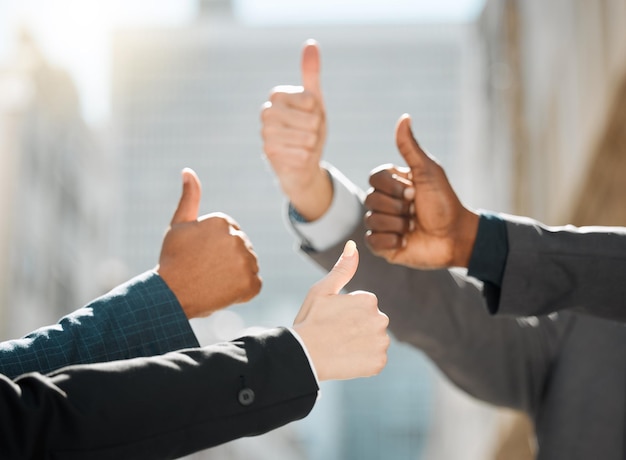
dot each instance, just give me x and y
(409, 193)
(349, 249)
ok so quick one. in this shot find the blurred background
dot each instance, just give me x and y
(103, 103)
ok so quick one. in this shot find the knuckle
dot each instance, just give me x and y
(239, 245)
(236, 246)
(216, 220)
(265, 132)
(369, 198)
(382, 362)
(375, 221)
(280, 94)
(243, 268)
(374, 200)
(380, 173)
(371, 240)
(276, 93)
(367, 219)
(254, 283)
(384, 319)
(316, 288)
(374, 178)
(218, 215)
(380, 242)
(367, 299)
(372, 300)
(266, 111)
(271, 149)
(266, 121)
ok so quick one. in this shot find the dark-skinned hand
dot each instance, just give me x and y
(414, 216)
(208, 261)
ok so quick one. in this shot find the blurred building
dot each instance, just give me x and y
(552, 88)
(550, 139)
(191, 96)
(54, 199)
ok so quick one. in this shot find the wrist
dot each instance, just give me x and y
(312, 201)
(309, 345)
(466, 237)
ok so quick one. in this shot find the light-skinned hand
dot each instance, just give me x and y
(294, 133)
(415, 218)
(208, 261)
(345, 334)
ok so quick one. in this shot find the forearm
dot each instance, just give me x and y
(139, 318)
(554, 268)
(159, 407)
(313, 201)
(444, 315)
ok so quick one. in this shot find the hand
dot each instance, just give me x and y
(208, 262)
(345, 335)
(294, 133)
(414, 216)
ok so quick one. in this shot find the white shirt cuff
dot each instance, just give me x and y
(341, 218)
(306, 352)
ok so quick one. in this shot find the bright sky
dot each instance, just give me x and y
(75, 34)
(357, 11)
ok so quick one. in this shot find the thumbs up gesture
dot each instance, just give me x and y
(208, 261)
(415, 218)
(345, 335)
(294, 132)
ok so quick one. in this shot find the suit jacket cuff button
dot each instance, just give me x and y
(246, 397)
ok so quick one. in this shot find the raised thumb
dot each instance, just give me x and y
(342, 272)
(189, 204)
(410, 150)
(311, 68)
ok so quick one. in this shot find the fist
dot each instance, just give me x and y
(294, 133)
(208, 262)
(415, 218)
(345, 334)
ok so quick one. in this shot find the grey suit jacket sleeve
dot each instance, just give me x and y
(160, 407)
(554, 268)
(139, 318)
(504, 361)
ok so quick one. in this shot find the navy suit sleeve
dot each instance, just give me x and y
(139, 318)
(160, 407)
(488, 257)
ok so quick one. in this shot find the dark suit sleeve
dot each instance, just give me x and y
(139, 318)
(554, 268)
(161, 407)
(500, 360)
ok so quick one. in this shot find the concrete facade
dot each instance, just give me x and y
(552, 74)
